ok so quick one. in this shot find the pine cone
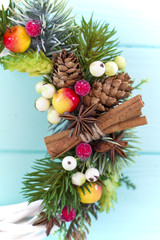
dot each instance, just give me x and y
(108, 92)
(67, 69)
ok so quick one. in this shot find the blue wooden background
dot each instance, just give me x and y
(22, 128)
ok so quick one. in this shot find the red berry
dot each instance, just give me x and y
(68, 216)
(82, 87)
(83, 150)
(33, 28)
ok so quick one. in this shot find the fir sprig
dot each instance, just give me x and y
(127, 182)
(51, 184)
(57, 25)
(95, 42)
(78, 228)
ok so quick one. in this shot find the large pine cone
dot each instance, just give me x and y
(67, 69)
(108, 92)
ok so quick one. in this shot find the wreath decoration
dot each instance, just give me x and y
(91, 110)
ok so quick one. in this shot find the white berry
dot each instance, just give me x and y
(39, 86)
(78, 179)
(48, 90)
(69, 163)
(111, 68)
(51, 108)
(97, 69)
(53, 117)
(121, 62)
(42, 104)
(92, 174)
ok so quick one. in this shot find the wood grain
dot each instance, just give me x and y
(22, 128)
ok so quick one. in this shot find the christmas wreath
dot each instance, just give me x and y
(91, 110)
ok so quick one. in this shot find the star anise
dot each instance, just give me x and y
(83, 122)
(49, 222)
(113, 148)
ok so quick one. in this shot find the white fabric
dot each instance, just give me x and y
(16, 222)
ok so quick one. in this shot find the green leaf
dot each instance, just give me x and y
(35, 65)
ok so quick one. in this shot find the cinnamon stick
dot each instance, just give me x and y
(123, 112)
(122, 117)
(131, 123)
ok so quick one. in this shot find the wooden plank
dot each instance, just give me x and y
(137, 22)
(21, 125)
(23, 128)
(144, 63)
(134, 215)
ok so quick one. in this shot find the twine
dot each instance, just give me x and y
(97, 134)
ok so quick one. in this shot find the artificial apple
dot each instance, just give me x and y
(93, 196)
(65, 100)
(16, 39)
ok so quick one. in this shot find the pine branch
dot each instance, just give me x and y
(78, 228)
(57, 24)
(128, 182)
(51, 183)
(95, 42)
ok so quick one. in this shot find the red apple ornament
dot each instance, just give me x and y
(16, 39)
(65, 100)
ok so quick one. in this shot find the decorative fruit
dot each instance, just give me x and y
(42, 104)
(51, 108)
(39, 86)
(82, 87)
(48, 90)
(69, 215)
(65, 100)
(33, 28)
(90, 197)
(83, 150)
(69, 163)
(5, 4)
(16, 39)
(97, 69)
(78, 179)
(92, 174)
(111, 68)
(121, 62)
(53, 116)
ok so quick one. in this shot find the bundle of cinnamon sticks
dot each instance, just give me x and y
(126, 115)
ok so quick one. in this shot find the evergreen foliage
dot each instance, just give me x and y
(31, 62)
(127, 182)
(78, 228)
(51, 184)
(56, 23)
(95, 43)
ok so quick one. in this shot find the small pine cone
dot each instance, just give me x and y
(67, 69)
(109, 91)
